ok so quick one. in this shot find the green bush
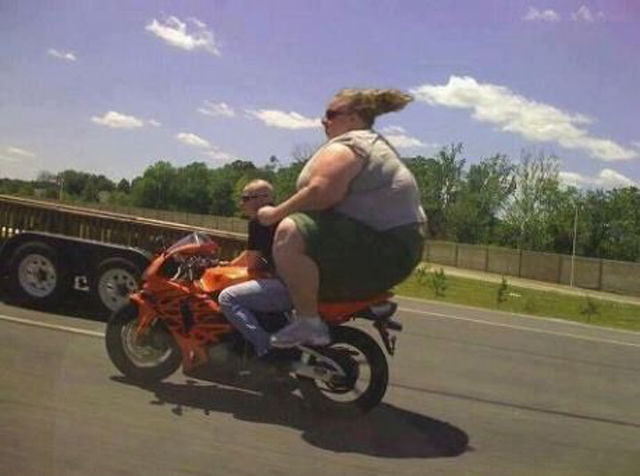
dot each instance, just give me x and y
(590, 308)
(503, 291)
(438, 283)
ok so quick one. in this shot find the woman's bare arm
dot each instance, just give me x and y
(332, 172)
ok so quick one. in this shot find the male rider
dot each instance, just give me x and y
(239, 302)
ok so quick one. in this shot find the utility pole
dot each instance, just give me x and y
(61, 183)
(573, 251)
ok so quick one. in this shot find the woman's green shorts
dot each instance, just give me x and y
(354, 260)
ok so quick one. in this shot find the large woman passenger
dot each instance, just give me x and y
(355, 226)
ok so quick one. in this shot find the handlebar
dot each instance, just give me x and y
(191, 267)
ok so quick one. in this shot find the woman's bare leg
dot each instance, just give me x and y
(297, 270)
(300, 273)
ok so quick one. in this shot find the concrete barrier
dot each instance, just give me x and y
(441, 252)
(472, 257)
(621, 277)
(503, 261)
(540, 266)
(588, 273)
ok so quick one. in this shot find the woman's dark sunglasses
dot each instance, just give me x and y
(332, 113)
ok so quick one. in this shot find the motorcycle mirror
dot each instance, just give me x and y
(160, 244)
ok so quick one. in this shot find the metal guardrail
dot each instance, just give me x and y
(212, 222)
(23, 214)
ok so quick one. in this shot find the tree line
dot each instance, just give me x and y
(494, 201)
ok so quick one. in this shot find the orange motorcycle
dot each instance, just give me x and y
(175, 319)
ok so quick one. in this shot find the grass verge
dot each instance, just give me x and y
(504, 297)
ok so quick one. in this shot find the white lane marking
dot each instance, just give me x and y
(87, 332)
(558, 320)
(73, 330)
(520, 328)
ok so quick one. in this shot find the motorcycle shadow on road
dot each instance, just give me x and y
(387, 431)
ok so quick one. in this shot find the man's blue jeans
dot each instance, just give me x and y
(240, 301)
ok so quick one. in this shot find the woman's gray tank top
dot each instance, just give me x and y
(384, 194)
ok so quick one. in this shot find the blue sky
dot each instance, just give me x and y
(113, 86)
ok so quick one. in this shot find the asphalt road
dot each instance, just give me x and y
(472, 392)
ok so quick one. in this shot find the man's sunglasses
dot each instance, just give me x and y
(332, 114)
(246, 198)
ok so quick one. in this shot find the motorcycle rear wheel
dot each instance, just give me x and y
(367, 374)
(153, 359)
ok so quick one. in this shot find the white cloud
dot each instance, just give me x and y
(212, 151)
(607, 178)
(198, 23)
(532, 120)
(118, 120)
(636, 144)
(216, 109)
(401, 140)
(219, 155)
(15, 155)
(574, 179)
(20, 152)
(174, 32)
(154, 123)
(541, 15)
(192, 140)
(583, 14)
(7, 158)
(611, 178)
(63, 55)
(284, 120)
(390, 130)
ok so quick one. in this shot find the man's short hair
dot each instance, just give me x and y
(259, 184)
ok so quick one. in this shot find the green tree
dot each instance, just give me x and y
(156, 188)
(123, 186)
(439, 179)
(621, 238)
(560, 221)
(192, 188)
(285, 178)
(473, 217)
(529, 210)
(74, 182)
(223, 191)
(90, 191)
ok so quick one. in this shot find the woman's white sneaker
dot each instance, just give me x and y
(309, 330)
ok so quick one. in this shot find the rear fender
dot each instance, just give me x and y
(381, 315)
(339, 312)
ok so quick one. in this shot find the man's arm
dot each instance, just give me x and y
(240, 260)
(252, 259)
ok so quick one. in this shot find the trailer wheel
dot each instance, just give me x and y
(36, 274)
(113, 281)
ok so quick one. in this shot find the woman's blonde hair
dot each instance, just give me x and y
(370, 103)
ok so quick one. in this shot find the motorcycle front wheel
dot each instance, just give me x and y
(366, 374)
(149, 358)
